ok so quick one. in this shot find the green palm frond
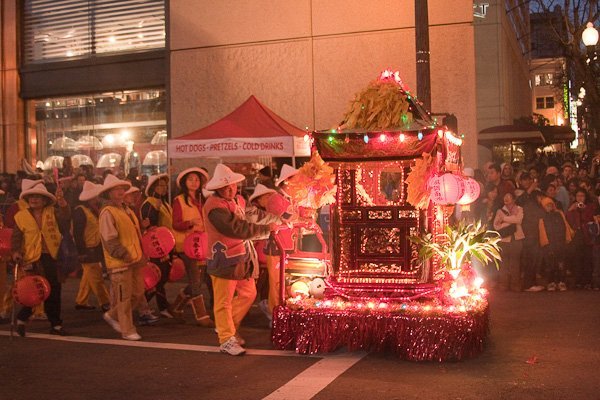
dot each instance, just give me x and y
(461, 243)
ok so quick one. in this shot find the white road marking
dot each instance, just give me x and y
(304, 386)
(316, 377)
(154, 345)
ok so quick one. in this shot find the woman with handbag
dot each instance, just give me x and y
(507, 222)
(36, 241)
(187, 219)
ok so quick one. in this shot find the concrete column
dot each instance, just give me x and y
(12, 115)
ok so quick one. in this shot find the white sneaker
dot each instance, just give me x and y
(132, 336)
(562, 286)
(232, 347)
(240, 340)
(112, 322)
(551, 287)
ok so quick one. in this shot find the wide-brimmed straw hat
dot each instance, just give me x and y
(183, 173)
(89, 191)
(152, 180)
(29, 183)
(224, 176)
(287, 171)
(259, 190)
(132, 189)
(111, 182)
(38, 189)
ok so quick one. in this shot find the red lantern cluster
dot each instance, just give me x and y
(31, 290)
(151, 275)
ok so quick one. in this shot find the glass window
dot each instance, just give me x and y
(61, 30)
(117, 130)
(550, 102)
(538, 80)
(539, 102)
(549, 79)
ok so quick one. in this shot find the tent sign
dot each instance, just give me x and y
(232, 147)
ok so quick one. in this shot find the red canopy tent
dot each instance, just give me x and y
(252, 129)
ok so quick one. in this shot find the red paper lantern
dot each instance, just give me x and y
(158, 242)
(151, 274)
(5, 241)
(195, 246)
(446, 189)
(472, 191)
(177, 270)
(31, 290)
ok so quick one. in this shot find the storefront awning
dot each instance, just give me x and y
(557, 134)
(515, 134)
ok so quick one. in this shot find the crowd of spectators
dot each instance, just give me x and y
(547, 212)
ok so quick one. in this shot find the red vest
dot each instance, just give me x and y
(233, 249)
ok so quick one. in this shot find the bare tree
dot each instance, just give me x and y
(583, 66)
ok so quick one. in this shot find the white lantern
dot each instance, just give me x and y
(446, 189)
(472, 191)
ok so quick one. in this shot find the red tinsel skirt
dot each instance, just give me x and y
(412, 336)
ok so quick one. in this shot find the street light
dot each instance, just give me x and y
(590, 35)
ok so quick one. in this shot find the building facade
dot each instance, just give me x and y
(502, 49)
(115, 80)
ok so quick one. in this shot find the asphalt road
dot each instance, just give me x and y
(541, 346)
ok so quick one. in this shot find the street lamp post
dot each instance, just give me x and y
(589, 37)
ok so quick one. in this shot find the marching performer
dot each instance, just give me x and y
(35, 244)
(232, 262)
(155, 212)
(287, 172)
(120, 234)
(86, 233)
(187, 219)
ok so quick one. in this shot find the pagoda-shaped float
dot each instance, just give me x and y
(391, 161)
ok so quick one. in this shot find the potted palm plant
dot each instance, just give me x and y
(459, 244)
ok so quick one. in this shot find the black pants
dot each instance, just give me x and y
(531, 260)
(159, 290)
(52, 305)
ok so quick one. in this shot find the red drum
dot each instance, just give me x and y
(5, 237)
(277, 204)
(158, 242)
(151, 274)
(195, 246)
(177, 270)
(31, 290)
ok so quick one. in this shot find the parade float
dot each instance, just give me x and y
(397, 276)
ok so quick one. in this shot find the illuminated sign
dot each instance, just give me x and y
(480, 9)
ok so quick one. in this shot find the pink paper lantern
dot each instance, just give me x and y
(31, 290)
(472, 191)
(151, 275)
(446, 189)
(195, 246)
(158, 242)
